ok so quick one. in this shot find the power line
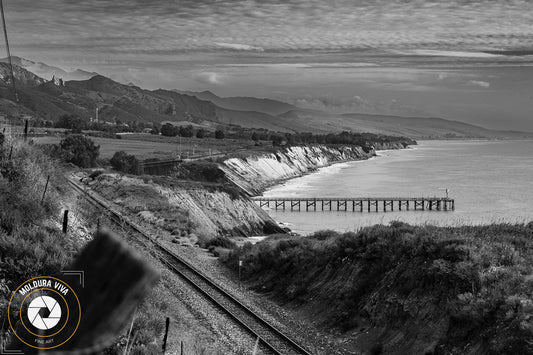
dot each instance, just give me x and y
(8, 51)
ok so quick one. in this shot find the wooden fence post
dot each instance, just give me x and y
(166, 335)
(26, 130)
(65, 222)
(45, 188)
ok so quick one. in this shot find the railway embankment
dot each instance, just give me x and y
(184, 210)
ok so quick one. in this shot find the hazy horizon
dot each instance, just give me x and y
(461, 60)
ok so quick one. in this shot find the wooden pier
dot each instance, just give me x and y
(358, 204)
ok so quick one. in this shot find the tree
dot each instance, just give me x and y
(186, 131)
(156, 128)
(255, 137)
(169, 130)
(200, 133)
(79, 150)
(72, 122)
(219, 134)
(277, 139)
(290, 139)
(126, 163)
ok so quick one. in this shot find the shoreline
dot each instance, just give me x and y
(280, 182)
(388, 177)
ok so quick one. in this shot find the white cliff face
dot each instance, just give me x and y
(214, 212)
(253, 174)
(206, 212)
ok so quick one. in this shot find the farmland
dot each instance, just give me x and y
(146, 146)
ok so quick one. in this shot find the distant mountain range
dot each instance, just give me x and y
(269, 106)
(48, 72)
(44, 98)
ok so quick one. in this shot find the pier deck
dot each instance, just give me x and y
(358, 204)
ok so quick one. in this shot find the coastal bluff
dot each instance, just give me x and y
(256, 173)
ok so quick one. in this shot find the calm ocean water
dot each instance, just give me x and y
(491, 181)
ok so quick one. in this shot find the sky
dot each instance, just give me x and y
(468, 60)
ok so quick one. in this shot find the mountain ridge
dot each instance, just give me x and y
(243, 103)
(46, 71)
(116, 101)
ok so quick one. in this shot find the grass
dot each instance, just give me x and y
(138, 197)
(467, 287)
(31, 244)
(147, 146)
(31, 241)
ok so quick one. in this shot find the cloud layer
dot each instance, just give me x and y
(441, 57)
(123, 28)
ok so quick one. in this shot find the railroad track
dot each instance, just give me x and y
(271, 338)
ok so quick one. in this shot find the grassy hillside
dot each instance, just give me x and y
(29, 243)
(404, 289)
(32, 243)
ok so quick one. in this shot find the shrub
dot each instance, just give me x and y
(30, 251)
(201, 171)
(219, 241)
(27, 246)
(476, 280)
(125, 163)
(186, 131)
(219, 134)
(73, 122)
(79, 150)
(200, 133)
(169, 130)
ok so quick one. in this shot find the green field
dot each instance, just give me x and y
(145, 146)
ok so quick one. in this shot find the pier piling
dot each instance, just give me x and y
(358, 204)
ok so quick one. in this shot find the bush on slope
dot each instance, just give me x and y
(422, 289)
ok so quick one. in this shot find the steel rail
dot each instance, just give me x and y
(209, 289)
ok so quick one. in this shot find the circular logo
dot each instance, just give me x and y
(44, 312)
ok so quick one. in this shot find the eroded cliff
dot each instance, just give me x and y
(186, 209)
(254, 174)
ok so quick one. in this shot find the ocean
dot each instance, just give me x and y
(491, 181)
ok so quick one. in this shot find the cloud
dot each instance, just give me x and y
(356, 104)
(483, 84)
(447, 53)
(211, 78)
(240, 47)
(120, 27)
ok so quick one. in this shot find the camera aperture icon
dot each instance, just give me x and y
(44, 312)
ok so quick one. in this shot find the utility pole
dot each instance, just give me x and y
(8, 52)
